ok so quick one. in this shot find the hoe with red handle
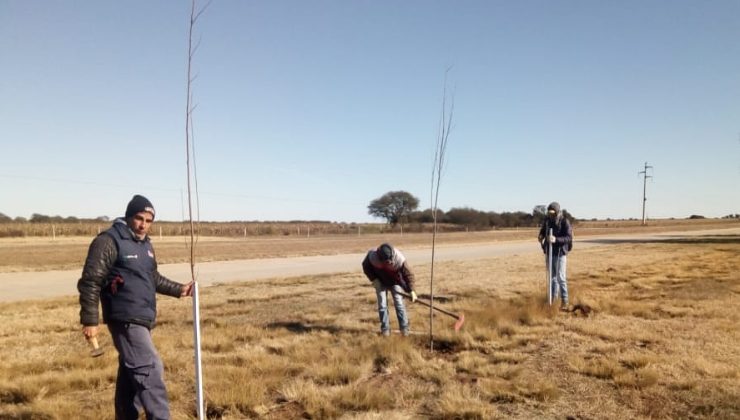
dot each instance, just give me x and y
(460, 318)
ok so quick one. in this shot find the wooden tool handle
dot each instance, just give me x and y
(428, 305)
(93, 342)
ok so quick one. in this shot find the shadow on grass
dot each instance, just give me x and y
(304, 327)
(698, 240)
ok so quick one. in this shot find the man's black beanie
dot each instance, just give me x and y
(138, 204)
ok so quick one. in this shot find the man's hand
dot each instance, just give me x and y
(551, 238)
(90, 331)
(413, 296)
(376, 284)
(187, 289)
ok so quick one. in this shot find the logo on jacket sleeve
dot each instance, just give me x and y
(150, 253)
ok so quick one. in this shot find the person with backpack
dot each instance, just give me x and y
(561, 241)
(387, 269)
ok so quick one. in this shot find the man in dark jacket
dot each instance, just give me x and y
(561, 241)
(386, 268)
(121, 272)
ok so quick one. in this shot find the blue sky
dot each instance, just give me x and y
(308, 110)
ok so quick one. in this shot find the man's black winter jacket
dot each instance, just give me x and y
(121, 271)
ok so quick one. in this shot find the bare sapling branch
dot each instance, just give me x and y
(192, 182)
(443, 134)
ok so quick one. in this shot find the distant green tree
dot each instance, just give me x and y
(425, 216)
(495, 220)
(5, 219)
(393, 206)
(538, 213)
(467, 217)
(40, 218)
(517, 219)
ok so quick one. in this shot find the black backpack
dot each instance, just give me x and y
(569, 244)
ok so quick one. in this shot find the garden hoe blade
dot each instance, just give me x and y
(459, 322)
(96, 349)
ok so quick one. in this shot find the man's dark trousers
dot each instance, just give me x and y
(140, 381)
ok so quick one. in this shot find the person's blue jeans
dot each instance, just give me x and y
(559, 281)
(403, 319)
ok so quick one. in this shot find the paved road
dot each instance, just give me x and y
(32, 285)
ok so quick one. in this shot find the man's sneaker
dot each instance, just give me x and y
(564, 307)
(385, 333)
(405, 333)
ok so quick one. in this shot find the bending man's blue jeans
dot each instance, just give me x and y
(403, 319)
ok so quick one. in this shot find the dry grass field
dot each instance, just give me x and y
(662, 342)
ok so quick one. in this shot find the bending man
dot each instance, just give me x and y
(386, 268)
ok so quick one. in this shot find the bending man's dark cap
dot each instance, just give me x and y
(385, 252)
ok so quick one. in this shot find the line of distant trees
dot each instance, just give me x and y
(42, 218)
(399, 207)
(482, 220)
(465, 217)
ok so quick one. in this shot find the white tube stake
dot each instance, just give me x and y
(549, 267)
(198, 372)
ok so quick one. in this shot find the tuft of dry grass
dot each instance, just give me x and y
(461, 402)
(639, 379)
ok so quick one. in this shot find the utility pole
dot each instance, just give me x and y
(645, 176)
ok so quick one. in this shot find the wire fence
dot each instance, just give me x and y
(220, 229)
